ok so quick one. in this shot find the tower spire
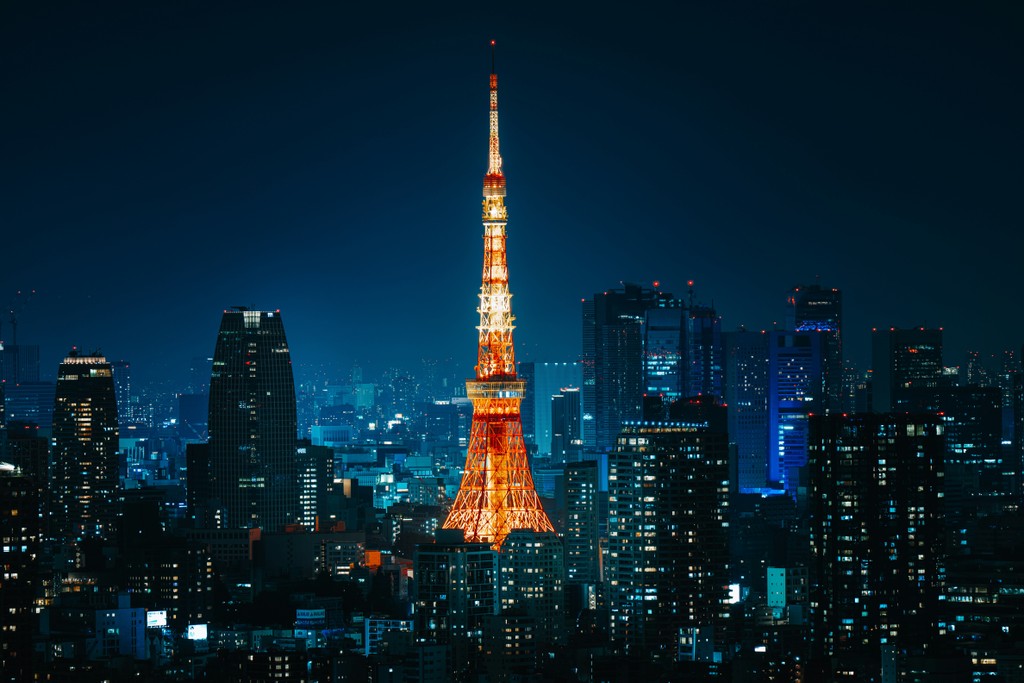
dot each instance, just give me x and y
(497, 493)
(494, 181)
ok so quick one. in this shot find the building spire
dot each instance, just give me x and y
(494, 181)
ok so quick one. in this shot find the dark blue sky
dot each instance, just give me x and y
(163, 161)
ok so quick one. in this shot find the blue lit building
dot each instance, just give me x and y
(544, 380)
(746, 395)
(795, 389)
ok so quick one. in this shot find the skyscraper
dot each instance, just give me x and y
(19, 571)
(544, 380)
(904, 361)
(123, 391)
(666, 351)
(613, 360)
(795, 389)
(566, 432)
(85, 449)
(813, 308)
(497, 493)
(253, 475)
(531, 569)
(582, 537)
(876, 538)
(746, 394)
(705, 354)
(456, 587)
(668, 487)
(19, 363)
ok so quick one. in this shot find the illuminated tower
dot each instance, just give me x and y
(497, 493)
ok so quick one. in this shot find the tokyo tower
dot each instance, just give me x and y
(497, 493)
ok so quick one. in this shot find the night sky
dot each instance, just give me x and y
(161, 162)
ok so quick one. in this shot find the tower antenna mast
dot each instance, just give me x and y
(497, 493)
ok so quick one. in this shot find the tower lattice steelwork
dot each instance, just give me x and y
(497, 493)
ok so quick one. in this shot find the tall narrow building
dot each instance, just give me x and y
(613, 359)
(497, 494)
(876, 530)
(813, 308)
(904, 363)
(668, 497)
(746, 394)
(84, 450)
(795, 390)
(19, 572)
(253, 473)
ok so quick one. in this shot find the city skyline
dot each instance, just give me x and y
(167, 156)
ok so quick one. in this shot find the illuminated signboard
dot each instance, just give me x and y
(156, 619)
(196, 632)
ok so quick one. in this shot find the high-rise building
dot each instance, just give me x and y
(613, 360)
(85, 480)
(531, 581)
(252, 470)
(705, 355)
(582, 537)
(1017, 447)
(746, 394)
(813, 308)
(904, 361)
(316, 476)
(566, 428)
(456, 587)
(30, 454)
(668, 496)
(795, 390)
(666, 351)
(30, 402)
(544, 380)
(123, 391)
(19, 363)
(876, 530)
(977, 480)
(682, 354)
(19, 569)
(497, 493)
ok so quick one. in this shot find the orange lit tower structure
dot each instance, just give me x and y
(497, 493)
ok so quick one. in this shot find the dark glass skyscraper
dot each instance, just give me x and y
(123, 391)
(253, 475)
(613, 360)
(746, 394)
(85, 459)
(813, 308)
(904, 361)
(705, 354)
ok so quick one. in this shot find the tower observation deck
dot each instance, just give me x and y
(497, 493)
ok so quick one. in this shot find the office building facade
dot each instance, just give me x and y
(252, 467)
(84, 450)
